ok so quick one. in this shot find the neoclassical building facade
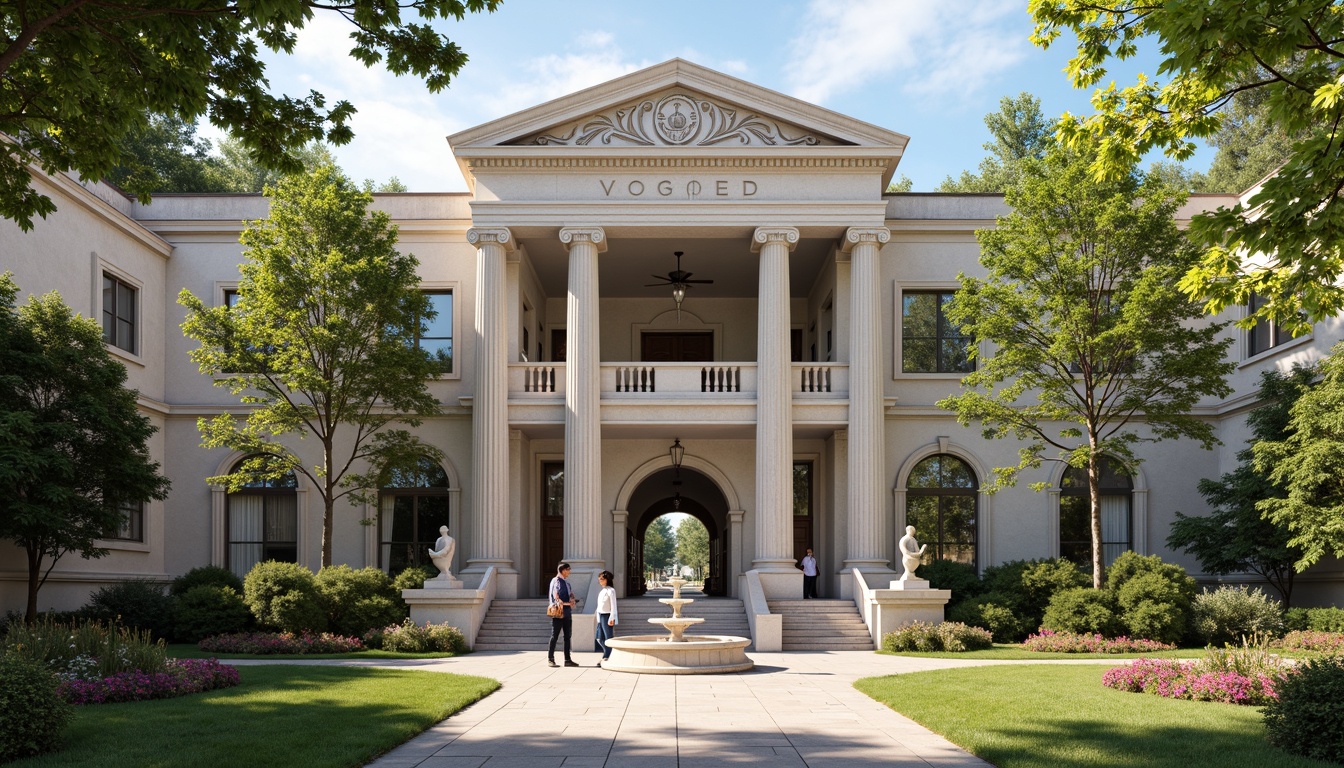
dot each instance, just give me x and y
(783, 392)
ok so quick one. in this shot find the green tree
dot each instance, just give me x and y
(73, 451)
(660, 544)
(1235, 537)
(321, 343)
(1020, 132)
(1090, 339)
(1250, 146)
(393, 184)
(904, 184)
(1288, 53)
(165, 155)
(240, 171)
(76, 77)
(1309, 465)
(693, 545)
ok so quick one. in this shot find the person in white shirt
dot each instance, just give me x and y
(606, 613)
(809, 566)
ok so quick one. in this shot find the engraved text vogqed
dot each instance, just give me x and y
(694, 189)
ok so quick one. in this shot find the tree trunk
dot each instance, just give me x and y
(34, 583)
(1094, 490)
(328, 519)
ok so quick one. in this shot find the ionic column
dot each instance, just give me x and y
(866, 542)
(774, 426)
(488, 543)
(583, 417)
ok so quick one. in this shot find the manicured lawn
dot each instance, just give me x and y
(1014, 652)
(316, 717)
(1048, 716)
(189, 651)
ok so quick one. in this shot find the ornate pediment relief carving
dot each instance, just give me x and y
(677, 118)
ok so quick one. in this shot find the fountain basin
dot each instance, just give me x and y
(694, 655)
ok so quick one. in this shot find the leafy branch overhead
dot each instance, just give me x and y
(1286, 245)
(76, 77)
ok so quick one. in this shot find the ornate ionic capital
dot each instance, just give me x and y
(856, 235)
(479, 236)
(765, 235)
(595, 235)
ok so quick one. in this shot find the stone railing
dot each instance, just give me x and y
(678, 379)
(537, 378)
(821, 378)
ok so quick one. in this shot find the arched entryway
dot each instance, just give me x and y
(696, 495)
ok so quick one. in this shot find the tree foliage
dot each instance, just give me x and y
(73, 448)
(239, 171)
(76, 77)
(1288, 54)
(1020, 132)
(322, 343)
(1250, 146)
(164, 155)
(1309, 465)
(660, 544)
(1235, 537)
(693, 545)
(1092, 349)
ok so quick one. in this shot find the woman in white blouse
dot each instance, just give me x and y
(606, 613)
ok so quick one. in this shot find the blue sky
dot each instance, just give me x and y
(930, 69)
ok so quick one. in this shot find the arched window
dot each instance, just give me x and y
(1075, 514)
(940, 501)
(413, 504)
(263, 522)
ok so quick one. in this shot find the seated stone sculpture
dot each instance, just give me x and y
(442, 554)
(910, 556)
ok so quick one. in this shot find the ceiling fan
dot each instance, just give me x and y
(679, 280)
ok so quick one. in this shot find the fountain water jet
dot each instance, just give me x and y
(678, 653)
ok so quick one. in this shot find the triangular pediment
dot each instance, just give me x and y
(676, 104)
(679, 117)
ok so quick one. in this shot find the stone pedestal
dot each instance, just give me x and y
(443, 582)
(443, 604)
(904, 603)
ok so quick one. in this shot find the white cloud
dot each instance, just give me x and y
(945, 48)
(596, 59)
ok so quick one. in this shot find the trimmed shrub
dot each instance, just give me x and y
(947, 636)
(994, 612)
(1083, 610)
(1154, 597)
(1029, 585)
(958, 577)
(284, 596)
(32, 713)
(136, 603)
(1048, 641)
(209, 609)
(1314, 619)
(206, 576)
(356, 601)
(1308, 717)
(413, 578)
(409, 637)
(1228, 614)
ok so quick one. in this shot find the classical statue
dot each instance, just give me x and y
(442, 553)
(910, 556)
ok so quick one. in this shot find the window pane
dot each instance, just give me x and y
(922, 512)
(1075, 519)
(919, 356)
(802, 489)
(959, 519)
(926, 474)
(555, 488)
(433, 513)
(441, 325)
(955, 473)
(919, 315)
(403, 519)
(282, 518)
(109, 310)
(956, 356)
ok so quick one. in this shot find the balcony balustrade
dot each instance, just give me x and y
(710, 381)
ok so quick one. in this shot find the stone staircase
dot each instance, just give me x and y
(522, 625)
(822, 625)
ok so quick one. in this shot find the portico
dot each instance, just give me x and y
(576, 202)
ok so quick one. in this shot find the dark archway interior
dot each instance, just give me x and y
(701, 499)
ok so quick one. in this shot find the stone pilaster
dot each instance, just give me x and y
(774, 425)
(866, 540)
(488, 542)
(583, 417)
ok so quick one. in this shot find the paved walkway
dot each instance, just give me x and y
(793, 709)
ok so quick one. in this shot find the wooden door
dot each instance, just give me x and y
(557, 345)
(552, 549)
(804, 491)
(659, 347)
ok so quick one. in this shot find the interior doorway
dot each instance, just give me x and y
(676, 347)
(696, 496)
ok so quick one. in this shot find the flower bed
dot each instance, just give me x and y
(182, 676)
(265, 643)
(1307, 640)
(1192, 680)
(1048, 641)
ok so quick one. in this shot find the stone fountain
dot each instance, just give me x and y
(678, 653)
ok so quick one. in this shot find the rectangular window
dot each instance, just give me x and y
(1265, 335)
(437, 335)
(119, 299)
(930, 343)
(262, 526)
(133, 527)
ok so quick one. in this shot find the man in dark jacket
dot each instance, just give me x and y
(562, 594)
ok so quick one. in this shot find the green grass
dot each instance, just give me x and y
(1056, 715)
(315, 717)
(189, 651)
